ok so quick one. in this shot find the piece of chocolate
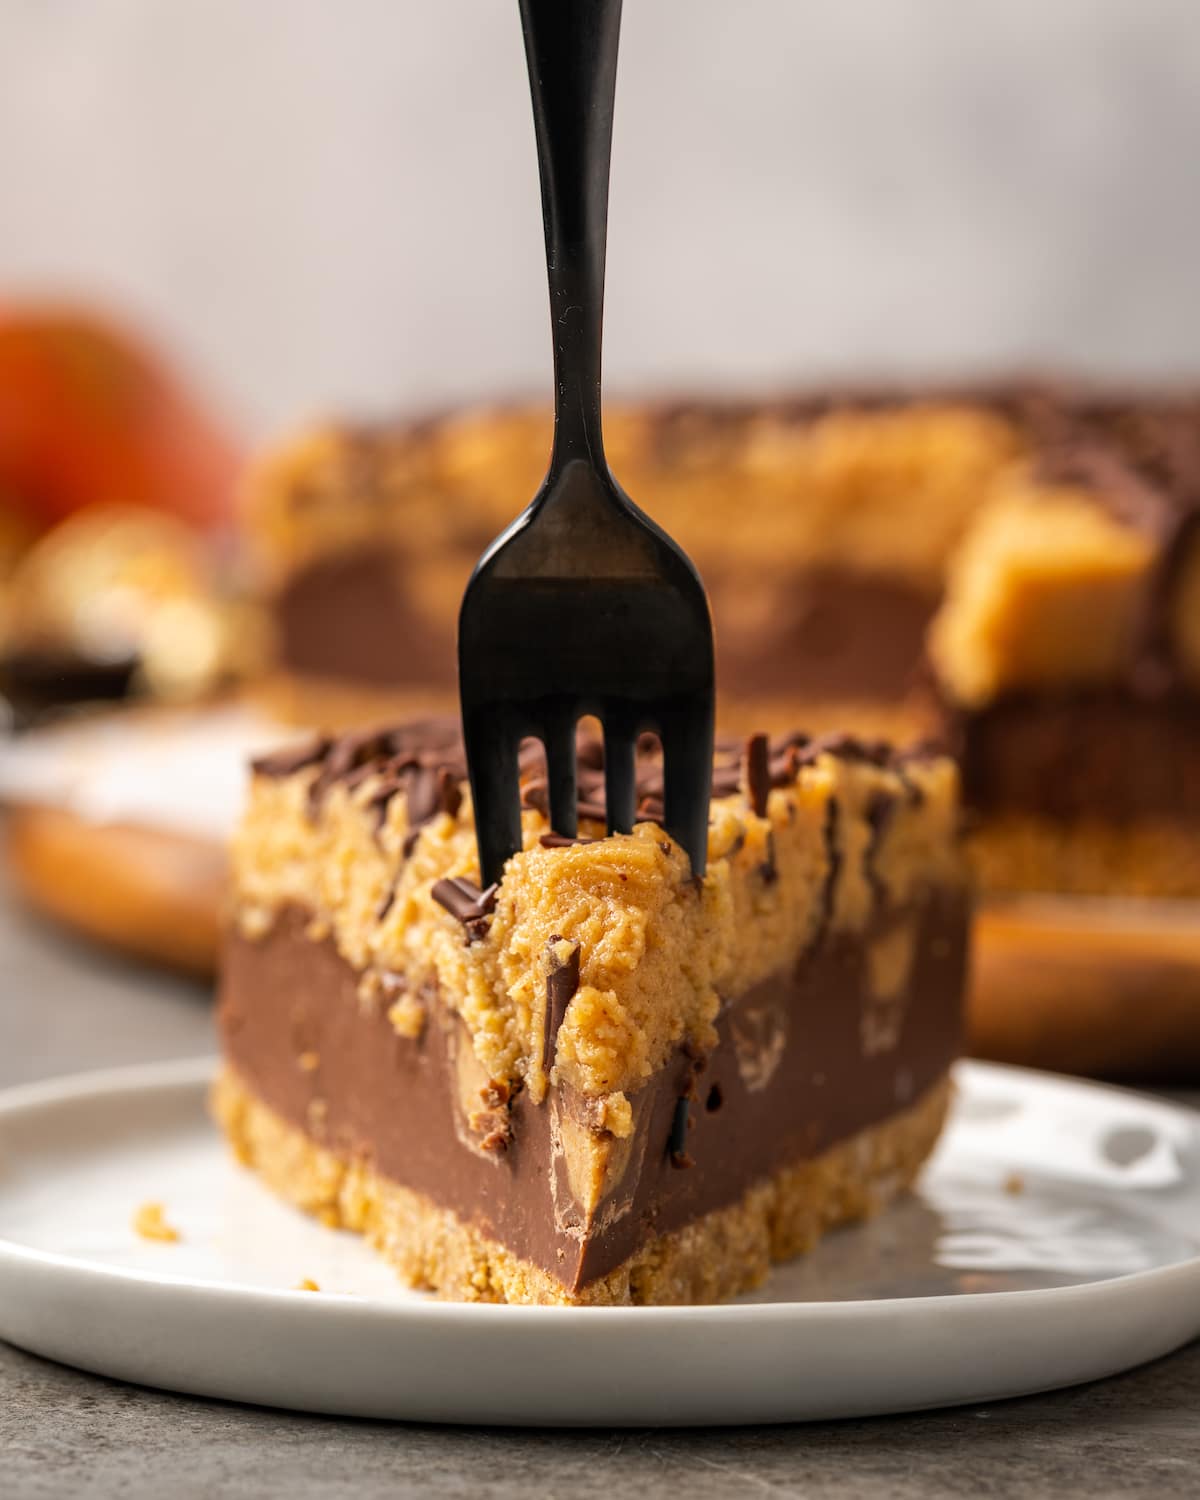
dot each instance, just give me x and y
(681, 1121)
(535, 795)
(833, 857)
(432, 790)
(466, 903)
(562, 981)
(768, 869)
(756, 773)
(292, 758)
(344, 757)
(425, 762)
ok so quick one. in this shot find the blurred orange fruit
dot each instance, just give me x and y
(88, 415)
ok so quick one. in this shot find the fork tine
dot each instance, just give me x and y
(492, 761)
(687, 741)
(620, 780)
(558, 738)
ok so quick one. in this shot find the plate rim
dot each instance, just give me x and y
(192, 1073)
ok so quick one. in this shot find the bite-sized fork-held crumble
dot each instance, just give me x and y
(1017, 567)
(601, 1080)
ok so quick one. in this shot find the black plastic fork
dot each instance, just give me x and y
(583, 606)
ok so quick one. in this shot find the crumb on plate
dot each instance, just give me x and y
(150, 1223)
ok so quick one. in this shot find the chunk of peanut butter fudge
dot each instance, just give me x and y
(1067, 654)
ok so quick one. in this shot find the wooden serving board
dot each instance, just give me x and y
(116, 825)
(1104, 987)
(155, 895)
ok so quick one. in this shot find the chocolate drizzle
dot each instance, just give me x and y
(833, 857)
(432, 790)
(292, 758)
(424, 762)
(881, 809)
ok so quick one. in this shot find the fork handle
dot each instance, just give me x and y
(571, 49)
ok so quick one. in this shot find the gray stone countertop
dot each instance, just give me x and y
(64, 1007)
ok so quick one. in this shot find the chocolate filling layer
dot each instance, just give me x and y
(841, 634)
(805, 1060)
(346, 616)
(1103, 754)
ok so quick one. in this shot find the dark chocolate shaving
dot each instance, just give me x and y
(589, 752)
(424, 760)
(847, 747)
(562, 981)
(377, 803)
(292, 758)
(531, 758)
(785, 766)
(535, 795)
(769, 870)
(467, 904)
(880, 811)
(353, 751)
(680, 1124)
(428, 788)
(347, 755)
(561, 841)
(833, 856)
(756, 773)
(432, 790)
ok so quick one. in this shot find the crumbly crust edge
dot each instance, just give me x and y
(718, 1256)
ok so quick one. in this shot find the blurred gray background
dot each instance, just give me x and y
(333, 203)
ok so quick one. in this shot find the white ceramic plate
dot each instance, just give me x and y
(1056, 1238)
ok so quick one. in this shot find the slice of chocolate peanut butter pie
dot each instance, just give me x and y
(601, 1080)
